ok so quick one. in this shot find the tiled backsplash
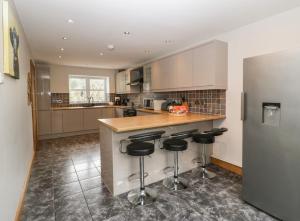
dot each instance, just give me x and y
(62, 100)
(200, 101)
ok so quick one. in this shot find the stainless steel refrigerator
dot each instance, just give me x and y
(271, 133)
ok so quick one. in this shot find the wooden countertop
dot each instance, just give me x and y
(106, 106)
(82, 107)
(156, 120)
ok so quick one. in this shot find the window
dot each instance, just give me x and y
(83, 88)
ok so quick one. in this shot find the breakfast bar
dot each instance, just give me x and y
(117, 167)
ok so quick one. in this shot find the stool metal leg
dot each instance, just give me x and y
(204, 172)
(175, 183)
(142, 196)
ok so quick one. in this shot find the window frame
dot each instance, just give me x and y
(88, 89)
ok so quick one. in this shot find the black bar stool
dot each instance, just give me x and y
(142, 146)
(177, 143)
(205, 138)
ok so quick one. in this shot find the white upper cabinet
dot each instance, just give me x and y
(204, 67)
(169, 72)
(120, 82)
(184, 66)
(147, 78)
(155, 76)
(210, 65)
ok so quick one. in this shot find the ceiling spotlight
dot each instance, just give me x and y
(101, 54)
(71, 21)
(62, 49)
(168, 41)
(110, 47)
(65, 38)
(59, 56)
(126, 33)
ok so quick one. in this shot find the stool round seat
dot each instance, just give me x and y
(217, 131)
(175, 144)
(140, 149)
(204, 138)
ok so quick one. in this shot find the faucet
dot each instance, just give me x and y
(89, 99)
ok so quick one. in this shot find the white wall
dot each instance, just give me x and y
(59, 78)
(272, 34)
(16, 145)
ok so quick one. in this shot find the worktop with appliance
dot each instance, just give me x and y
(117, 167)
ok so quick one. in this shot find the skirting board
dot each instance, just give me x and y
(70, 134)
(227, 166)
(25, 187)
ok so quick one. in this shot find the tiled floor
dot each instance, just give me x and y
(65, 184)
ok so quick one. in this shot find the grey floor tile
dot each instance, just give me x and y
(141, 213)
(38, 196)
(89, 173)
(95, 195)
(81, 159)
(91, 183)
(106, 207)
(38, 212)
(72, 208)
(84, 166)
(40, 184)
(55, 192)
(64, 179)
(66, 190)
(58, 171)
(99, 169)
(97, 163)
(64, 163)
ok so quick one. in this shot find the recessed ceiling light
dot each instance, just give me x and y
(59, 56)
(62, 49)
(65, 38)
(71, 21)
(126, 33)
(168, 41)
(110, 47)
(101, 54)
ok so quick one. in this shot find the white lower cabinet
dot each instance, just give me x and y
(57, 121)
(44, 122)
(108, 112)
(91, 117)
(119, 112)
(72, 120)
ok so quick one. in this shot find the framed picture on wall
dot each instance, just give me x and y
(11, 42)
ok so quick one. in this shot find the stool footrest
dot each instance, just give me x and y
(197, 160)
(168, 170)
(135, 176)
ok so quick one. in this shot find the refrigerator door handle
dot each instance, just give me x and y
(243, 97)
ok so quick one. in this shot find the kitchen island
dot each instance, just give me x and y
(116, 167)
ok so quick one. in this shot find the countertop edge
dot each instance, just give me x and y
(101, 121)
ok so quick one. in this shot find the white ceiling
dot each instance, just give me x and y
(150, 22)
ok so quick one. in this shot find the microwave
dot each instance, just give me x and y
(148, 103)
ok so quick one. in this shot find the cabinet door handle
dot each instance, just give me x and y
(243, 100)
